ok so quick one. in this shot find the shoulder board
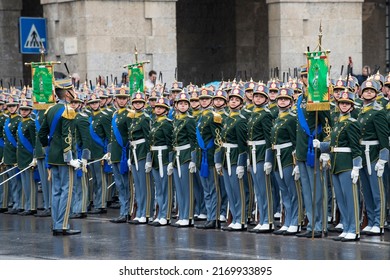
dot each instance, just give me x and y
(249, 111)
(267, 110)
(131, 114)
(147, 115)
(47, 110)
(292, 114)
(109, 109)
(190, 116)
(377, 107)
(83, 114)
(217, 117)
(352, 119)
(69, 113)
(168, 119)
(33, 117)
(242, 116)
(5, 115)
(104, 113)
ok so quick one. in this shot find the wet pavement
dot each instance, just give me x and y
(30, 238)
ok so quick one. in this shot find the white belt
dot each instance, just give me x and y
(160, 149)
(278, 149)
(341, 150)
(367, 145)
(254, 160)
(228, 147)
(178, 149)
(134, 145)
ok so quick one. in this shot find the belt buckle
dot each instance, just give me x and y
(331, 149)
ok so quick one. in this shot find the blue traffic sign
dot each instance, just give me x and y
(32, 34)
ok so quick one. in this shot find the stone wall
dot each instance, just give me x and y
(98, 37)
(11, 59)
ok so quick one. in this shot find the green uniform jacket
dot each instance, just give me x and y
(139, 128)
(184, 133)
(373, 126)
(23, 155)
(259, 128)
(62, 143)
(335, 113)
(273, 107)
(121, 122)
(235, 131)
(246, 113)
(161, 135)
(83, 137)
(196, 113)
(39, 152)
(284, 131)
(302, 137)
(3, 117)
(9, 150)
(345, 133)
(101, 124)
(209, 124)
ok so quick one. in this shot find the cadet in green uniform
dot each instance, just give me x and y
(82, 139)
(9, 154)
(25, 151)
(139, 130)
(158, 159)
(249, 88)
(207, 131)
(380, 98)
(4, 187)
(346, 161)
(119, 150)
(184, 158)
(259, 132)
(150, 110)
(231, 159)
(273, 92)
(56, 133)
(375, 145)
(99, 130)
(283, 139)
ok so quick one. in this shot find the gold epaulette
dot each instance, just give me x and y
(131, 114)
(69, 113)
(217, 118)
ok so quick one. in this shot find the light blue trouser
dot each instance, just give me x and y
(15, 186)
(142, 196)
(62, 187)
(80, 193)
(161, 185)
(374, 196)
(259, 186)
(200, 205)
(307, 181)
(210, 195)
(122, 185)
(275, 193)
(350, 199)
(236, 195)
(289, 196)
(99, 186)
(3, 192)
(224, 198)
(43, 174)
(184, 193)
(29, 188)
(338, 185)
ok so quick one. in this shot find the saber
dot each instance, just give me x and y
(269, 198)
(95, 161)
(8, 170)
(108, 187)
(16, 174)
(251, 195)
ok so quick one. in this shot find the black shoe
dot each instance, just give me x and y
(12, 212)
(115, 205)
(333, 229)
(119, 220)
(45, 213)
(357, 238)
(317, 234)
(40, 208)
(3, 210)
(77, 216)
(57, 232)
(279, 232)
(28, 213)
(304, 234)
(338, 238)
(98, 211)
(209, 225)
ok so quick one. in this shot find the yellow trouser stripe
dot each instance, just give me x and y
(69, 200)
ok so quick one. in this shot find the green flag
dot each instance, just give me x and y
(42, 84)
(136, 78)
(318, 86)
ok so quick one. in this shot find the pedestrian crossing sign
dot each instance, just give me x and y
(32, 34)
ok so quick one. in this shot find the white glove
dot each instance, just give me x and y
(296, 173)
(316, 143)
(84, 164)
(380, 167)
(240, 171)
(170, 169)
(324, 158)
(129, 163)
(355, 174)
(267, 168)
(192, 167)
(75, 163)
(248, 165)
(107, 156)
(34, 162)
(148, 167)
(218, 167)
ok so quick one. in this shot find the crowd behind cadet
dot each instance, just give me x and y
(241, 154)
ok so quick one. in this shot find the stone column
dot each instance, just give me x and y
(11, 59)
(97, 37)
(294, 25)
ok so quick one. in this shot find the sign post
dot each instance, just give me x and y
(32, 34)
